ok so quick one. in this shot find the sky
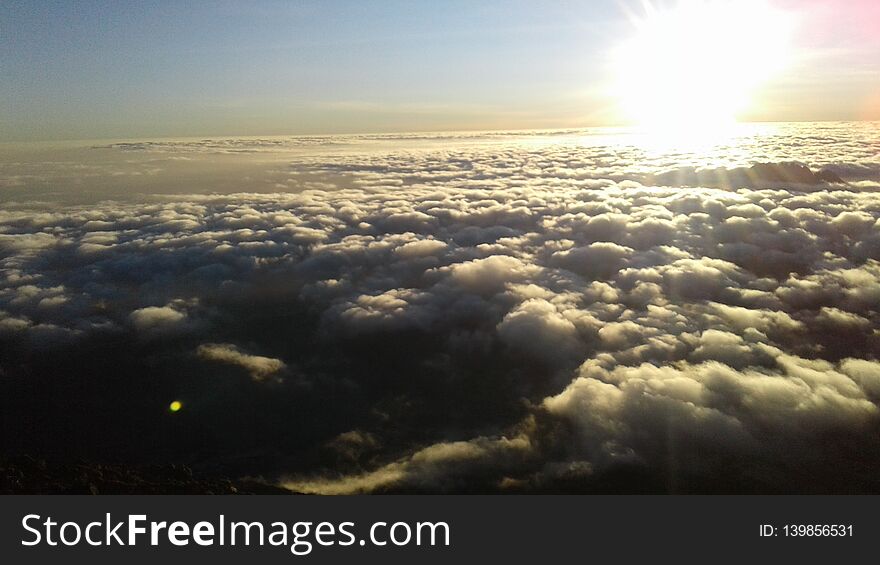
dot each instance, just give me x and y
(82, 70)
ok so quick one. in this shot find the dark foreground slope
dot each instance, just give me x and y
(26, 475)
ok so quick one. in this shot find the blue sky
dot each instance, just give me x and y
(123, 69)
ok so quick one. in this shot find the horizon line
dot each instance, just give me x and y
(402, 131)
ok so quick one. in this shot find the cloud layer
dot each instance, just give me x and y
(548, 314)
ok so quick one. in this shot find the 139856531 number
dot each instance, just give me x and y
(817, 530)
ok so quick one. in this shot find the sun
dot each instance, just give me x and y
(695, 65)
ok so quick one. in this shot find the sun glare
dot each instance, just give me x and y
(695, 66)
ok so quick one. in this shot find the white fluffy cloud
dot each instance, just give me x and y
(609, 289)
(157, 318)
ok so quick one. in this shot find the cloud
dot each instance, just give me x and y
(711, 407)
(538, 328)
(157, 319)
(758, 174)
(489, 275)
(597, 260)
(258, 367)
(443, 464)
(478, 315)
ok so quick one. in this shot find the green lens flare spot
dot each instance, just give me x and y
(175, 406)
